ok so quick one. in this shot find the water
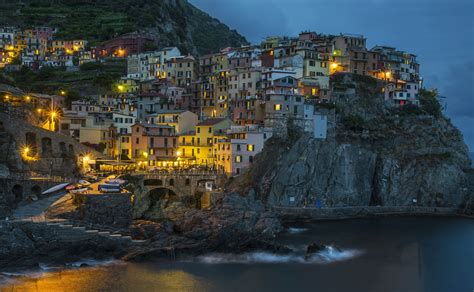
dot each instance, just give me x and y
(389, 254)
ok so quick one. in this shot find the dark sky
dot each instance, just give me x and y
(440, 32)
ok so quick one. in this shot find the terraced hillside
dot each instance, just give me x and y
(170, 22)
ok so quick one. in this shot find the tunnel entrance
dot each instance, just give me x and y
(159, 200)
(162, 197)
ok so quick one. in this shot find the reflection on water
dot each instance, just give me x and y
(390, 254)
(125, 277)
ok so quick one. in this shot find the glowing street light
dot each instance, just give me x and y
(334, 65)
(62, 92)
(120, 88)
(178, 153)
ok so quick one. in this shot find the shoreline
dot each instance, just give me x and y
(292, 214)
(100, 248)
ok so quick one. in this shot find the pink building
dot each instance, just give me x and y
(153, 144)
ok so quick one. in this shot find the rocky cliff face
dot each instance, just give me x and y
(373, 156)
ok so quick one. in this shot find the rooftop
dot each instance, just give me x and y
(211, 122)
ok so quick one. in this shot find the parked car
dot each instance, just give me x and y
(109, 188)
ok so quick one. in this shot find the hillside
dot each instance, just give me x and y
(170, 22)
(90, 79)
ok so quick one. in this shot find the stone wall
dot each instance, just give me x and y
(15, 191)
(113, 210)
(56, 154)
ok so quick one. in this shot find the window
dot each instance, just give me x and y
(277, 107)
(209, 130)
(137, 141)
(250, 147)
(198, 130)
(238, 147)
(238, 158)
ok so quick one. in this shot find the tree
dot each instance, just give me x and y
(429, 103)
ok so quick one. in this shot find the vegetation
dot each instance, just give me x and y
(92, 78)
(97, 21)
(429, 103)
(353, 122)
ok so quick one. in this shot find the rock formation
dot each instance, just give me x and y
(373, 155)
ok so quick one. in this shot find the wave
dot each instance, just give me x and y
(326, 256)
(296, 230)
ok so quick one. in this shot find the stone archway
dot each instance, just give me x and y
(159, 199)
(71, 150)
(36, 191)
(63, 149)
(30, 142)
(17, 192)
(46, 147)
(153, 182)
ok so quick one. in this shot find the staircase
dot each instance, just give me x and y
(68, 230)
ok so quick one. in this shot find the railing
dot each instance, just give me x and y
(28, 177)
(180, 173)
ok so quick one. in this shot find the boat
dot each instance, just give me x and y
(61, 188)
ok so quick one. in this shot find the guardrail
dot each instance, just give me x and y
(362, 211)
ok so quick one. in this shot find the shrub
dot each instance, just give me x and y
(353, 122)
(429, 103)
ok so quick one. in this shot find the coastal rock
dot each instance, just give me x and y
(390, 157)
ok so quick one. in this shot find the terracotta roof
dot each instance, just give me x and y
(211, 122)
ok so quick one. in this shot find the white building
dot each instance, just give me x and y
(320, 126)
(236, 153)
(150, 65)
(123, 122)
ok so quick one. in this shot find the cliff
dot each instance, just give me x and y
(373, 155)
(169, 22)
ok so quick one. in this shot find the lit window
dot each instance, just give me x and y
(277, 107)
(238, 158)
(250, 147)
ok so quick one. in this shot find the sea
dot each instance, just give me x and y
(379, 254)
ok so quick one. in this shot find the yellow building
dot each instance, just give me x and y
(123, 147)
(197, 147)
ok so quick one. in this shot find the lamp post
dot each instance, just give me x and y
(85, 162)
